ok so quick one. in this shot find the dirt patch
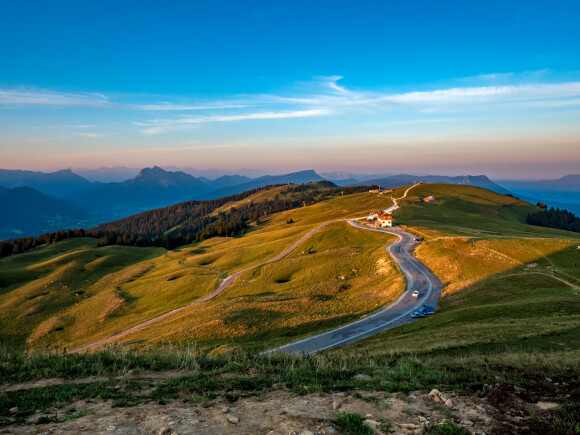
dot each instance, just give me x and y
(282, 412)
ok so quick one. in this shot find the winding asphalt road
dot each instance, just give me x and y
(419, 277)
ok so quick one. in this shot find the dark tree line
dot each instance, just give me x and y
(555, 218)
(189, 221)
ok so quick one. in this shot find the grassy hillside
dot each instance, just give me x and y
(469, 211)
(74, 292)
(337, 276)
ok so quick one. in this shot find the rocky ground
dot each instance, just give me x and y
(503, 410)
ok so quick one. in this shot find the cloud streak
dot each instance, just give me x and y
(48, 98)
(157, 125)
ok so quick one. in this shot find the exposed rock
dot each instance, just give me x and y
(225, 410)
(111, 428)
(13, 410)
(307, 432)
(436, 396)
(164, 431)
(372, 423)
(335, 404)
(232, 419)
(546, 405)
(449, 403)
(409, 426)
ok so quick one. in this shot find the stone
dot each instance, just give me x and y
(111, 428)
(449, 403)
(435, 396)
(372, 423)
(225, 410)
(422, 419)
(362, 377)
(409, 426)
(164, 431)
(307, 432)
(233, 419)
(13, 410)
(369, 416)
(335, 404)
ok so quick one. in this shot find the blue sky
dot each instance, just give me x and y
(394, 86)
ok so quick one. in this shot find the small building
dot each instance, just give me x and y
(384, 219)
(429, 199)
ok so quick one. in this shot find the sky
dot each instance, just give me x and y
(456, 87)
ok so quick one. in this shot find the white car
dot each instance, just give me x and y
(415, 294)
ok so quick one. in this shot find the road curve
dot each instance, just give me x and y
(419, 278)
(227, 281)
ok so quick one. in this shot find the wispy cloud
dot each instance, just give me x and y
(91, 135)
(184, 107)
(157, 125)
(48, 98)
(322, 96)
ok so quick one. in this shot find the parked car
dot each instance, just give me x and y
(426, 309)
(417, 315)
(415, 294)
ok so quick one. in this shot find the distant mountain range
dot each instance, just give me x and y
(150, 188)
(563, 193)
(155, 187)
(395, 181)
(58, 184)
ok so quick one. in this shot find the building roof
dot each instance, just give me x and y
(385, 216)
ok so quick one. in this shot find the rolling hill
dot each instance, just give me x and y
(405, 179)
(75, 291)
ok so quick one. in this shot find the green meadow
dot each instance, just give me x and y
(73, 293)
